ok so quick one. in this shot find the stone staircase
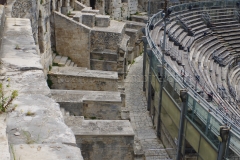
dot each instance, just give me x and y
(62, 61)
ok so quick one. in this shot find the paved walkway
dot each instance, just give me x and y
(145, 136)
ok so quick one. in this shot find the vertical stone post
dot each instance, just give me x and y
(150, 54)
(223, 138)
(184, 98)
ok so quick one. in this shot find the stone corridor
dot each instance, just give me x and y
(146, 140)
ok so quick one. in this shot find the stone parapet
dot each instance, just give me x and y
(102, 21)
(37, 118)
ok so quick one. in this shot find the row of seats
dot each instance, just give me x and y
(209, 49)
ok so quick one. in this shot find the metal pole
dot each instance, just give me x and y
(223, 138)
(144, 62)
(149, 52)
(184, 98)
(148, 10)
(162, 72)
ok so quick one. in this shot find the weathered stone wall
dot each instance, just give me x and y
(39, 12)
(72, 40)
(104, 65)
(82, 83)
(2, 21)
(105, 40)
(81, 79)
(106, 147)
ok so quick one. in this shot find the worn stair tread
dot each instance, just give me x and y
(57, 59)
(63, 61)
(71, 64)
(54, 55)
(68, 62)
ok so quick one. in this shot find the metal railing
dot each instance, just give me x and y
(210, 115)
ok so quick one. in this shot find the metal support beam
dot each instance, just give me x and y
(184, 98)
(162, 72)
(223, 138)
(144, 62)
(149, 52)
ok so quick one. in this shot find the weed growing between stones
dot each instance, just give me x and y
(29, 113)
(6, 101)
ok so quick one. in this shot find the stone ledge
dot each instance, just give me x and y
(83, 95)
(46, 152)
(100, 127)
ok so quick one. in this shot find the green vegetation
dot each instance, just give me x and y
(6, 101)
(93, 117)
(55, 64)
(29, 140)
(29, 113)
(17, 47)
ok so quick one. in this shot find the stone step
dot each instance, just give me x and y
(54, 55)
(63, 61)
(75, 65)
(67, 113)
(71, 64)
(57, 59)
(68, 62)
(63, 111)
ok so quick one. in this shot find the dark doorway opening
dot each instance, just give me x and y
(3, 2)
(92, 3)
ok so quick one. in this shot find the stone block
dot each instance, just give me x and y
(88, 19)
(107, 55)
(78, 17)
(102, 21)
(103, 65)
(75, 78)
(104, 139)
(97, 104)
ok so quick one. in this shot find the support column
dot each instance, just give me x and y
(144, 61)
(184, 98)
(223, 138)
(150, 53)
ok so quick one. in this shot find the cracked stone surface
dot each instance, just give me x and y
(146, 140)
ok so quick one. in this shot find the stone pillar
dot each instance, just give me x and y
(223, 138)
